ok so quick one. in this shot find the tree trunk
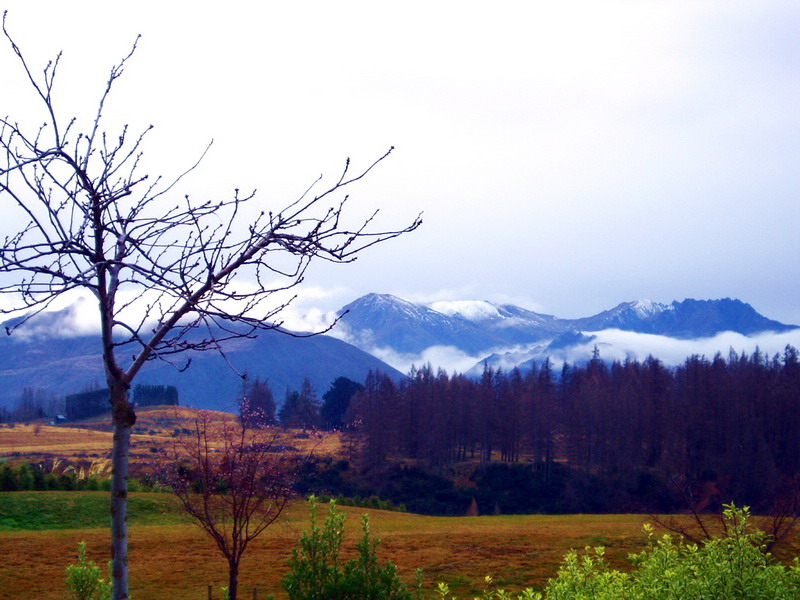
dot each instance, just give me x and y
(233, 579)
(123, 419)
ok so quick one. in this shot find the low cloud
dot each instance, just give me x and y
(303, 313)
(299, 318)
(76, 313)
(449, 358)
(81, 317)
(615, 344)
(618, 345)
(612, 344)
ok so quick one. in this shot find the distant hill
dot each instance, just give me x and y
(70, 364)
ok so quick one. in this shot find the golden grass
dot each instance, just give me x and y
(64, 441)
(89, 442)
(179, 561)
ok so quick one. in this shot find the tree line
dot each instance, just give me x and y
(726, 427)
(300, 409)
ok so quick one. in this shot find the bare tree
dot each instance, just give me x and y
(780, 514)
(94, 222)
(233, 480)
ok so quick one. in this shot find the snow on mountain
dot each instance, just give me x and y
(377, 321)
(508, 334)
(471, 310)
(505, 316)
(645, 309)
(685, 319)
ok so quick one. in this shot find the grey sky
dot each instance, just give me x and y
(567, 155)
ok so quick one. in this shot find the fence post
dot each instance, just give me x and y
(210, 588)
(255, 593)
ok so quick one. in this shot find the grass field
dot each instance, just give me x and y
(87, 444)
(172, 559)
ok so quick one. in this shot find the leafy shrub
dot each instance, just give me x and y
(730, 567)
(316, 571)
(734, 566)
(83, 579)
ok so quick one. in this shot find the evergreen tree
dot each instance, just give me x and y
(300, 409)
(290, 406)
(336, 401)
(256, 404)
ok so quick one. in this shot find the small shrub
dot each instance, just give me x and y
(317, 573)
(83, 579)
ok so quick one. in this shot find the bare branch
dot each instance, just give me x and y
(169, 277)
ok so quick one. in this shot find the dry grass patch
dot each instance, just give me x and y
(36, 439)
(80, 444)
(171, 562)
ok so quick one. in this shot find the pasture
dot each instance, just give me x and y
(172, 559)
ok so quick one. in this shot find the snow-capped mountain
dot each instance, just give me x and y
(386, 321)
(508, 334)
(623, 316)
(686, 319)
(516, 321)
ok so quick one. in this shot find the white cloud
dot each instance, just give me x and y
(616, 345)
(613, 345)
(446, 357)
(70, 316)
(75, 313)
(531, 136)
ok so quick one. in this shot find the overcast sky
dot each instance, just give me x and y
(568, 156)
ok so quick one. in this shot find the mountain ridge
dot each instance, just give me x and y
(40, 356)
(479, 326)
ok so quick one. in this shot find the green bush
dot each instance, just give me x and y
(83, 579)
(730, 567)
(28, 477)
(358, 502)
(734, 566)
(316, 571)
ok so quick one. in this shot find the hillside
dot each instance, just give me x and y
(68, 365)
(87, 444)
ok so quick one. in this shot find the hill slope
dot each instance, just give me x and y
(68, 365)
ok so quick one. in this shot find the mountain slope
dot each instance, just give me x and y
(67, 365)
(512, 323)
(383, 320)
